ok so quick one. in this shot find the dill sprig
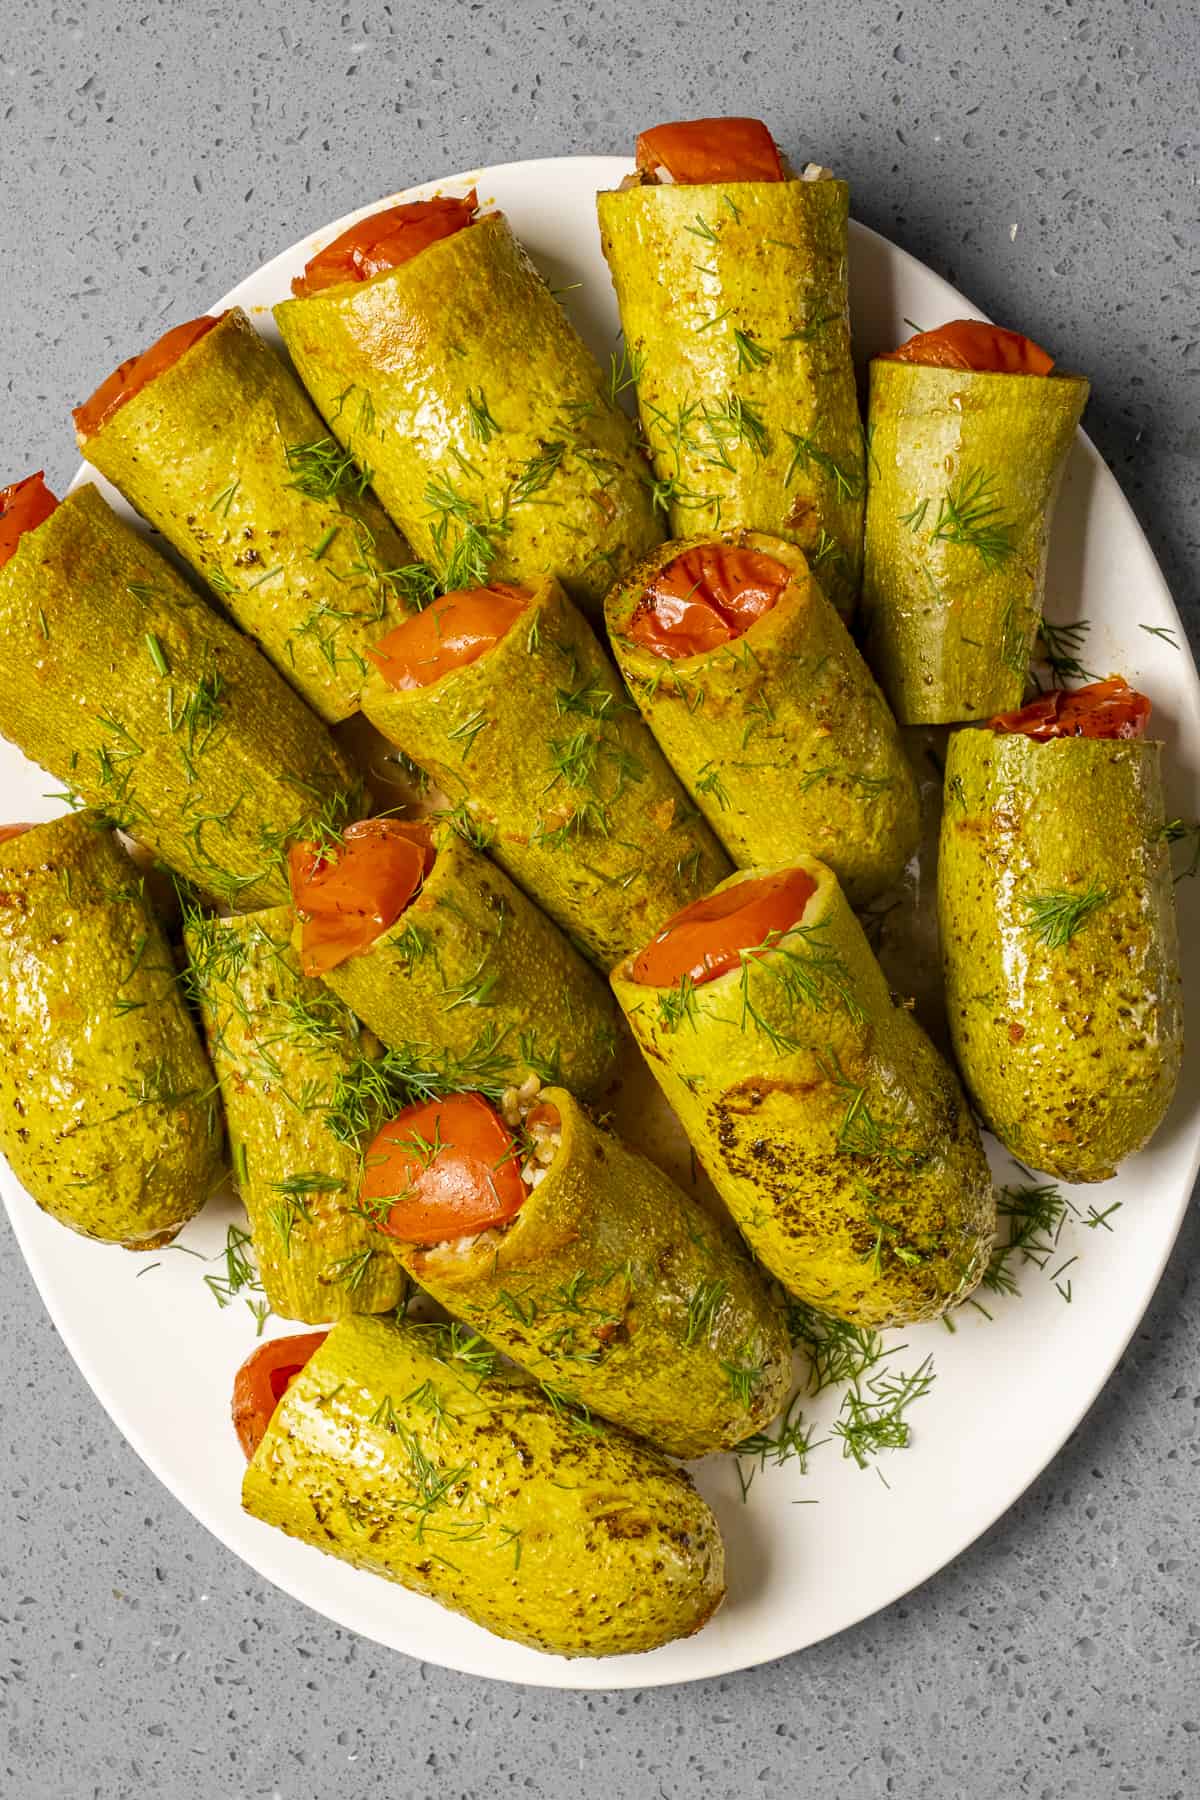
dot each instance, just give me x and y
(970, 514)
(324, 471)
(1060, 648)
(837, 1351)
(791, 1441)
(1054, 918)
(808, 455)
(702, 1309)
(874, 1411)
(480, 422)
(372, 1089)
(1033, 1216)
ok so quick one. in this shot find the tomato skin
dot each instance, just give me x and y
(697, 151)
(262, 1381)
(1103, 709)
(137, 372)
(706, 939)
(706, 597)
(447, 1166)
(456, 630)
(24, 505)
(973, 344)
(385, 240)
(346, 898)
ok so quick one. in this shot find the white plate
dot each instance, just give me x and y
(161, 1356)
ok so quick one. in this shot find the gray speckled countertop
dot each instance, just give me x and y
(152, 153)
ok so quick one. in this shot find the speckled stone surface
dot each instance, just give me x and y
(150, 154)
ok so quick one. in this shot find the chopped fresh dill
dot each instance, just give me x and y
(970, 514)
(1055, 918)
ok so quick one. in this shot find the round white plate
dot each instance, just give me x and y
(160, 1355)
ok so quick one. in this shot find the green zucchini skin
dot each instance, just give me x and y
(621, 1293)
(964, 473)
(215, 765)
(560, 778)
(387, 1451)
(471, 965)
(1071, 1051)
(278, 1042)
(838, 1138)
(733, 296)
(106, 1099)
(782, 737)
(459, 375)
(202, 453)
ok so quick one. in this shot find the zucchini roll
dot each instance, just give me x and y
(730, 274)
(830, 1126)
(764, 708)
(156, 711)
(107, 1110)
(443, 363)
(444, 957)
(402, 1450)
(278, 1043)
(584, 1263)
(1057, 919)
(969, 428)
(505, 698)
(216, 443)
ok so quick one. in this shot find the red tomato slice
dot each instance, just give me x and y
(971, 344)
(137, 372)
(8, 832)
(695, 151)
(23, 505)
(1104, 709)
(346, 896)
(707, 937)
(262, 1381)
(384, 241)
(456, 630)
(448, 1169)
(706, 597)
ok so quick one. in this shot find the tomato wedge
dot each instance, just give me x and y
(385, 240)
(695, 151)
(1104, 709)
(707, 938)
(23, 505)
(137, 372)
(346, 896)
(455, 630)
(443, 1169)
(8, 832)
(262, 1381)
(706, 597)
(972, 344)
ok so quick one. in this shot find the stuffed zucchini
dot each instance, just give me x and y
(216, 443)
(400, 1449)
(443, 363)
(584, 1263)
(730, 275)
(830, 1126)
(1057, 920)
(107, 1107)
(278, 1043)
(155, 710)
(969, 428)
(444, 957)
(764, 708)
(505, 697)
